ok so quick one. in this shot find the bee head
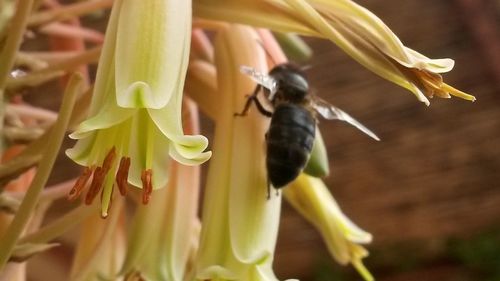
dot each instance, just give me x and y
(292, 84)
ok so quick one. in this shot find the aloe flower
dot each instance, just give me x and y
(101, 246)
(239, 225)
(160, 240)
(135, 120)
(311, 198)
(356, 30)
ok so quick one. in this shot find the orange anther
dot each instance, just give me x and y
(96, 185)
(108, 161)
(122, 175)
(147, 185)
(80, 183)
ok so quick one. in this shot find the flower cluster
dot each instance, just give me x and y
(141, 134)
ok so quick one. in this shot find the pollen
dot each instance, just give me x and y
(147, 185)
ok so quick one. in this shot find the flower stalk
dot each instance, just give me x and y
(28, 204)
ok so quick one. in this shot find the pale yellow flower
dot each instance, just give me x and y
(356, 30)
(311, 198)
(135, 120)
(160, 240)
(240, 225)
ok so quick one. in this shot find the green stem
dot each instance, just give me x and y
(16, 32)
(59, 226)
(8, 53)
(21, 218)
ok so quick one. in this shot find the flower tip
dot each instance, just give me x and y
(104, 214)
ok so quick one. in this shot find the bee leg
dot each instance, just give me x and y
(277, 193)
(261, 108)
(252, 97)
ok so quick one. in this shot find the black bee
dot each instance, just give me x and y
(291, 134)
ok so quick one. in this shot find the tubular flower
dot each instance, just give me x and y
(135, 121)
(311, 198)
(101, 246)
(160, 245)
(356, 30)
(239, 224)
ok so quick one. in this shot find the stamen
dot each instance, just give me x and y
(457, 92)
(147, 185)
(122, 175)
(96, 185)
(80, 183)
(99, 176)
(108, 161)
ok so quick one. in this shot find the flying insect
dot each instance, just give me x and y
(291, 134)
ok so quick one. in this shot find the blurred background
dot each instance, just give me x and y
(429, 192)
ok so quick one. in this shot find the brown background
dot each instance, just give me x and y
(432, 184)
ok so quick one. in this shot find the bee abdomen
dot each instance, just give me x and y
(289, 143)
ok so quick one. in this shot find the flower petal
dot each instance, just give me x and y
(139, 63)
(311, 198)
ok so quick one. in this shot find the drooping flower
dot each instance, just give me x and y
(160, 241)
(356, 30)
(311, 198)
(135, 115)
(101, 246)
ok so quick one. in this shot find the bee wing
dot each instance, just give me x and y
(331, 112)
(262, 79)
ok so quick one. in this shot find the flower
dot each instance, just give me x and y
(311, 198)
(101, 246)
(135, 120)
(160, 241)
(239, 224)
(356, 30)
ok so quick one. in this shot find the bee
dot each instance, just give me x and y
(292, 129)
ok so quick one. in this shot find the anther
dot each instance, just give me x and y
(147, 185)
(122, 175)
(108, 161)
(99, 176)
(80, 183)
(96, 185)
